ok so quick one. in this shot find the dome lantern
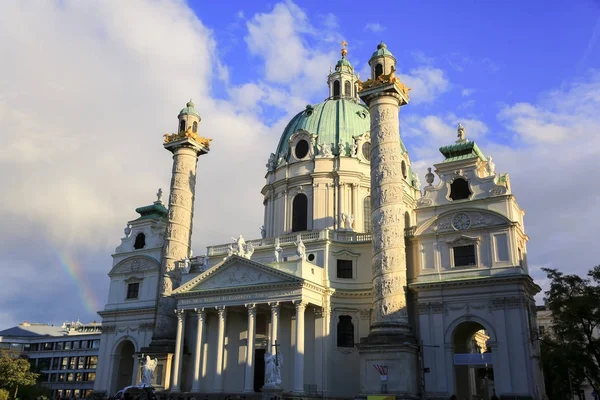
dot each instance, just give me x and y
(189, 117)
(382, 61)
(342, 80)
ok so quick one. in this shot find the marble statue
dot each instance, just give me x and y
(278, 253)
(248, 251)
(416, 181)
(204, 264)
(159, 196)
(272, 162)
(148, 372)
(490, 167)
(342, 148)
(263, 232)
(353, 148)
(230, 251)
(460, 132)
(301, 250)
(127, 230)
(186, 265)
(325, 150)
(273, 364)
(241, 243)
(349, 220)
(282, 158)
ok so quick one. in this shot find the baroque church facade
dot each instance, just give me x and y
(362, 282)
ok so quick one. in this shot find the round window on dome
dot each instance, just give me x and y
(301, 149)
(366, 150)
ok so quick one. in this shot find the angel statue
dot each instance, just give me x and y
(273, 364)
(301, 250)
(148, 372)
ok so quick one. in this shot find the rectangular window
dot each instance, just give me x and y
(92, 362)
(75, 345)
(78, 377)
(61, 378)
(96, 344)
(72, 362)
(344, 269)
(501, 247)
(56, 363)
(67, 346)
(133, 290)
(80, 363)
(64, 363)
(464, 256)
(44, 363)
(70, 377)
(58, 346)
(48, 346)
(89, 376)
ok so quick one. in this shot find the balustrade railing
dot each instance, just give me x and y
(311, 236)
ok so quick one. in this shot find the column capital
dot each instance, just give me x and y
(300, 305)
(274, 306)
(200, 312)
(222, 311)
(180, 313)
(251, 308)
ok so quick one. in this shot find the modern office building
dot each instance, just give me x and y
(66, 356)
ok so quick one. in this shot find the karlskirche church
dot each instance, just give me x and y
(363, 282)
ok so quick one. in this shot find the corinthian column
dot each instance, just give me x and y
(387, 215)
(176, 246)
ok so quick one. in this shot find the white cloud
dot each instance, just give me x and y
(375, 27)
(275, 37)
(82, 132)
(427, 84)
(466, 92)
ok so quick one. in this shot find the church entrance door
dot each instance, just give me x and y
(473, 362)
(123, 365)
(259, 369)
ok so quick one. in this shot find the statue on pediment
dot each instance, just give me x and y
(278, 253)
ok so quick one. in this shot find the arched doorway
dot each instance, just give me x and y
(123, 365)
(473, 362)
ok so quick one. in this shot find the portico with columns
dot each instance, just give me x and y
(231, 315)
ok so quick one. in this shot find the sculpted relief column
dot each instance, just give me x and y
(390, 333)
(186, 147)
(387, 216)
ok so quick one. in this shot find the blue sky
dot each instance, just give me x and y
(91, 87)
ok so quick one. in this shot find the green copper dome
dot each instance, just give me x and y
(189, 109)
(343, 62)
(333, 120)
(382, 50)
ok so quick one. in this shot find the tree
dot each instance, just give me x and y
(574, 302)
(15, 372)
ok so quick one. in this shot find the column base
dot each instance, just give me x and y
(399, 353)
(272, 393)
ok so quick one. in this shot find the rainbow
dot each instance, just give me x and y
(73, 270)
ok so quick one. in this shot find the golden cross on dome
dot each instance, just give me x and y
(344, 50)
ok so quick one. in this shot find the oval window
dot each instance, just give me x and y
(404, 173)
(301, 149)
(366, 150)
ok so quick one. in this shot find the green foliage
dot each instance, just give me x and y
(573, 348)
(3, 394)
(15, 372)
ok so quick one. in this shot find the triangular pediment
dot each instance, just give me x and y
(237, 272)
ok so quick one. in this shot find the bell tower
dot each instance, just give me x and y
(390, 342)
